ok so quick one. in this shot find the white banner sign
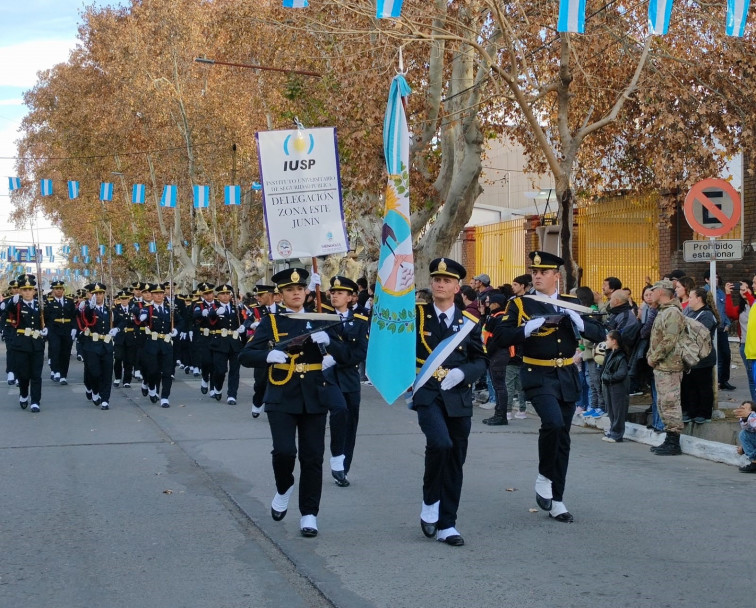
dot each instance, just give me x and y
(301, 186)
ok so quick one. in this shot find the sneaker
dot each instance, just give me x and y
(701, 420)
(598, 413)
(686, 419)
(509, 416)
(34, 408)
(608, 439)
(749, 468)
(636, 393)
(589, 413)
(489, 405)
(367, 383)
(521, 415)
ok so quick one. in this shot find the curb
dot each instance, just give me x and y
(692, 446)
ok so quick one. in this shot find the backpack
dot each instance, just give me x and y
(694, 343)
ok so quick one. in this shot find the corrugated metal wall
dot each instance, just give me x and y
(500, 251)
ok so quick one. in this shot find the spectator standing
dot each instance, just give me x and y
(609, 286)
(614, 383)
(470, 300)
(724, 359)
(747, 413)
(667, 364)
(697, 390)
(590, 367)
(498, 358)
(482, 284)
(647, 316)
(682, 290)
(740, 314)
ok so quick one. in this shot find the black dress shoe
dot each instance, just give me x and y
(309, 532)
(749, 468)
(145, 392)
(154, 398)
(187, 370)
(428, 529)
(340, 478)
(544, 503)
(726, 386)
(565, 517)
(203, 389)
(24, 404)
(277, 515)
(166, 404)
(455, 540)
(88, 395)
(97, 401)
(496, 421)
(218, 396)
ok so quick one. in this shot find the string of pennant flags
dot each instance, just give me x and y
(169, 197)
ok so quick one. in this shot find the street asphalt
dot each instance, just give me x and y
(143, 506)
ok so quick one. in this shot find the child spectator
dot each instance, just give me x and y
(615, 381)
(747, 413)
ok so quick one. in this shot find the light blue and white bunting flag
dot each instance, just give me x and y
(136, 247)
(106, 191)
(256, 186)
(14, 183)
(101, 249)
(659, 12)
(391, 350)
(119, 249)
(295, 3)
(137, 194)
(86, 272)
(31, 253)
(76, 259)
(85, 250)
(45, 187)
(87, 259)
(201, 197)
(169, 196)
(388, 8)
(66, 249)
(49, 251)
(73, 189)
(571, 16)
(232, 195)
(737, 12)
(152, 247)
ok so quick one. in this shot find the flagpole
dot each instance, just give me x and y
(39, 279)
(318, 301)
(110, 271)
(157, 258)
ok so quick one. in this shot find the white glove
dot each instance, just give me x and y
(254, 325)
(453, 378)
(205, 312)
(576, 319)
(82, 305)
(174, 332)
(321, 337)
(314, 280)
(328, 361)
(221, 311)
(276, 356)
(113, 332)
(532, 325)
(16, 298)
(43, 333)
(191, 335)
(241, 330)
(143, 316)
(73, 334)
(93, 301)
(182, 335)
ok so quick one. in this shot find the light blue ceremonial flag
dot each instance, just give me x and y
(169, 246)
(101, 249)
(169, 196)
(659, 12)
(737, 12)
(571, 16)
(136, 247)
(152, 247)
(256, 186)
(32, 253)
(12, 252)
(295, 3)
(76, 272)
(201, 197)
(232, 195)
(14, 183)
(86, 272)
(76, 259)
(106, 191)
(388, 8)
(119, 249)
(52, 259)
(45, 187)
(48, 251)
(85, 250)
(73, 189)
(98, 259)
(86, 259)
(391, 350)
(66, 249)
(137, 194)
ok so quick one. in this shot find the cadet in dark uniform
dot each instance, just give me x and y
(265, 305)
(157, 353)
(444, 403)
(60, 319)
(124, 343)
(138, 303)
(201, 340)
(227, 330)
(9, 332)
(294, 400)
(97, 345)
(348, 348)
(549, 335)
(28, 344)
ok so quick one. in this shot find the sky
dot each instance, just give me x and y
(36, 35)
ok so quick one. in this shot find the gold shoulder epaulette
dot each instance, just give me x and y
(470, 316)
(361, 317)
(327, 307)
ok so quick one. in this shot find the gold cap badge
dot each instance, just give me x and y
(442, 265)
(337, 282)
(536, 259)
(294, 276)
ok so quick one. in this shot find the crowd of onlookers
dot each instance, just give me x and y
(614, 370)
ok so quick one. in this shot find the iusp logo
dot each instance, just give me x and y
(299, 144)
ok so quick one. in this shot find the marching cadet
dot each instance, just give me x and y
(28, 343)
(124, 342)
(550, 335)
(9, 332)
(191, 334)
(348, 348)
(96, 319)
(227, 330)
(60, 319)
(444, 403)
(184, 345)
(177, 304)
(201, 339)
(161, 328)
(293, 398)
(264, 294)
(138, 303)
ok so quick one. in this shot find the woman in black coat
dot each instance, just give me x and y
(615, 386)
(697, 388)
